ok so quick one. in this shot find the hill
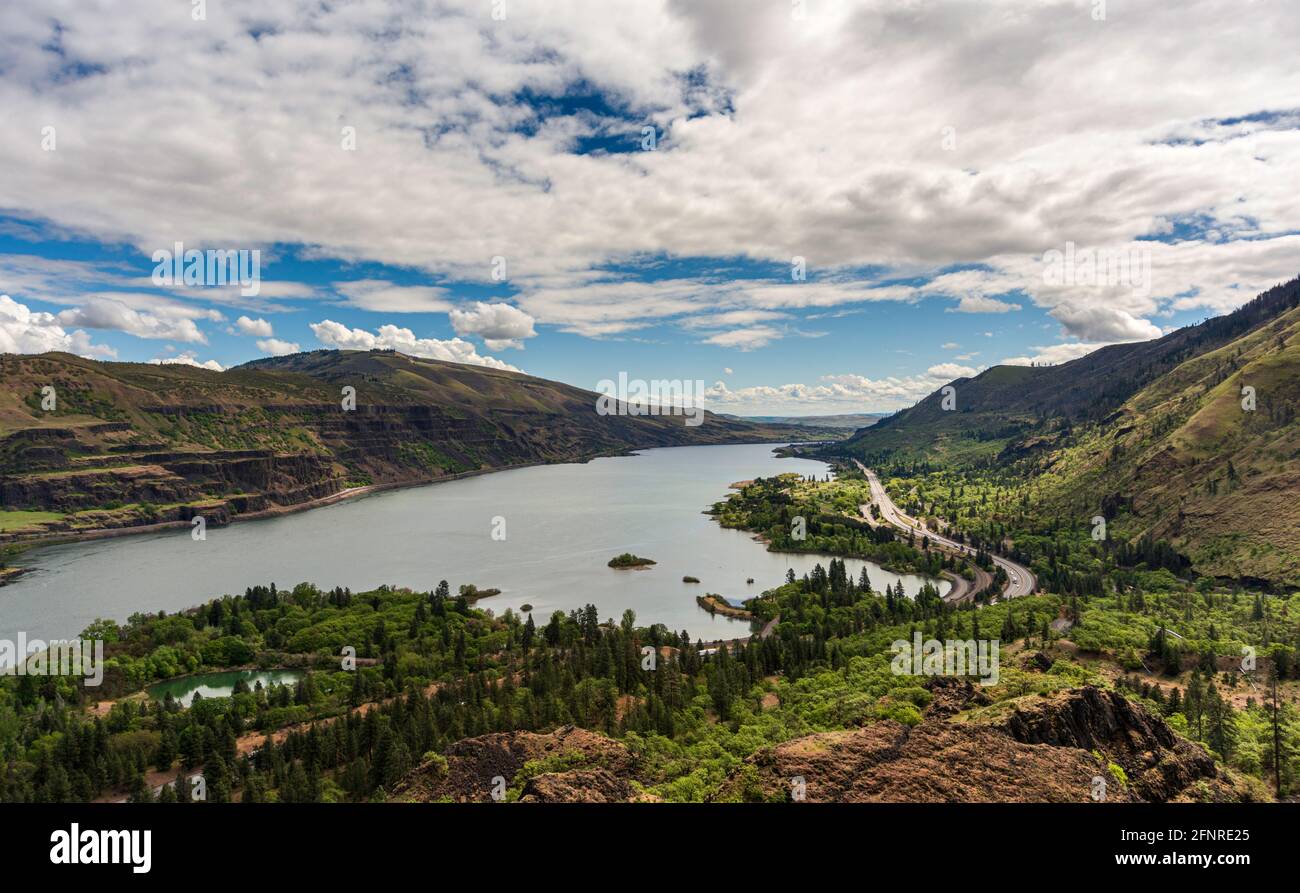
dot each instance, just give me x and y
(1005, 404)
(1153, 436)
(127, 444)
(1185, 460)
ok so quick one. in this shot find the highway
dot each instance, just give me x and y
(1020, 580)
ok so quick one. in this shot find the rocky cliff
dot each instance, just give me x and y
(1074, 746)
(1067, 748)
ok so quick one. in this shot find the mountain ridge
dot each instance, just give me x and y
(133, 444)
(1152, 436)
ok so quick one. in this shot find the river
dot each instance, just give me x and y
(561, 524)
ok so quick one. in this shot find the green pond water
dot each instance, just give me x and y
(220, 685)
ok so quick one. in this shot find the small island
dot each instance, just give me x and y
(690, 579)
(628, 560)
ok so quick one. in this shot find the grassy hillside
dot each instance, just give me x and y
(1182, 460)
(1009, 406)
(1152, 436)
(129, 443)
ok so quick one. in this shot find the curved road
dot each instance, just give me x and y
(1020, 580)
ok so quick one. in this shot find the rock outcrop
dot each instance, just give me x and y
(569, 765)
(1058, 749)
(1076, 746)
(1159, 765)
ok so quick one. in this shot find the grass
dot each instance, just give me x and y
(17, 520)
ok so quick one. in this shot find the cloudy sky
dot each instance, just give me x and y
(814, 206)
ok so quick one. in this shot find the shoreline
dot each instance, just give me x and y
(22, 544)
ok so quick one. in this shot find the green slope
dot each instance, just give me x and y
(1010, 406)
(1182, 460)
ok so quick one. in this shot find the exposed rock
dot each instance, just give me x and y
(1043, 750)
(589, 767)
(1052, 750)
(1160, 765)
(952, 695)
(935, 762)
(577, 786)
(1036, 661)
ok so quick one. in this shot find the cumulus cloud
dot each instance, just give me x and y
(1105, 324)
(454, 166)
(23, 330)
(390, 337)
(951, 371)
(187, 359)
(832, 393)
(114, 313)
(501, 326)
(277, 348)
(259, 327)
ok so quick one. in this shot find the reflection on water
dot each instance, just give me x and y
(562, 524)
(220, 685)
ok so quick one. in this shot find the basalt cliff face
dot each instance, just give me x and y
(128, 444)
(1082, 745)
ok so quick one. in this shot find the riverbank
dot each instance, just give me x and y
(16, 543)
(564, 523)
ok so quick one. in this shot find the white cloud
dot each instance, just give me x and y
(501, 326)
(23, 330)
(1053, 354)
(114, 313)
(187, 359)
(832, 393)
(277, 348)
(745, 339)
(382, 296)
(258, 327)
(452, 168)
(1105, 324)
(981, 304)
(390, 337)
(951, 371)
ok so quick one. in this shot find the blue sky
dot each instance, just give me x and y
(386, 161)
